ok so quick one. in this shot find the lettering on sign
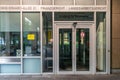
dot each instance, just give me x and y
(52, 8)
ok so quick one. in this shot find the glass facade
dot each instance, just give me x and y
(10, 34)
(47, 42)
(32, 42)
(31, 34)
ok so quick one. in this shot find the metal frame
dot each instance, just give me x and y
(69, 25)
(108, 35)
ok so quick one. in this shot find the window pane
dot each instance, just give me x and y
(101, 41)
(84, 2)
(9, 34)
(101, 2)
(31, 65)
(64, 2)
(31, 34)
(31, 2)
(9, 2)
(47, 2)
(47, 42)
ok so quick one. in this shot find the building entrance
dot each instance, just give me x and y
(74, 48)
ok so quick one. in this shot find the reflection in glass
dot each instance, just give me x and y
(65, 49)
(10, 34)
(47, 42)
(31, 34)
(82, 49)
(101, 41)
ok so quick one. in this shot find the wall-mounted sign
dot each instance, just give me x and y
(74, 16)
(31, 37)
(51, 8)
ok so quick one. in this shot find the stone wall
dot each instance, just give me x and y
(115, 34)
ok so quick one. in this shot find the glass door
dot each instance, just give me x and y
(74, 49)
(82, 49)
(65, 49)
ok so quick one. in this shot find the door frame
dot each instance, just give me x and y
(92, 56)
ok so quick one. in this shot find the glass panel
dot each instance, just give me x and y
(31, 2)
(101, 2)
(10, 34)
(32, 65)
(31, 34)
(64, 2)
(10, 68)
(47, 2)
(65, 49)
(101, 41)
(74, 16)
(85, 2)
(9, 2)
(47, 42)
(82, 49)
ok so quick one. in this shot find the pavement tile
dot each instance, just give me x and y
(62, 77)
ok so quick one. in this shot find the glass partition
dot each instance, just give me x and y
(10, 34)
(101, 42)
(31, 34)
(47, 42)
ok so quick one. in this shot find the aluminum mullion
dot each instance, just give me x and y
(94, 45)
(53, 43)
(108, 35)
(41, 46)
(21, 30)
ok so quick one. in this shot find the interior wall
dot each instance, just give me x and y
(115, 34)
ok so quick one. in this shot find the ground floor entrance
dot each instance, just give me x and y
(74, 47)
(55, 43)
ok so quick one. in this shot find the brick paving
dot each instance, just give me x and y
(61, 77)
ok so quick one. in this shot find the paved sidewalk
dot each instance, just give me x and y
(61, 77)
